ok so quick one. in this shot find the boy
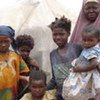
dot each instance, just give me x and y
(37, 85)
(24, 45)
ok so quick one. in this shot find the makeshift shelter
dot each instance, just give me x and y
(33, 17)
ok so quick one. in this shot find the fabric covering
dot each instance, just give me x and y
(11, 65)
(83, 85)
(7, 31)
(33, 17)
(49, 95)
(86, 1)
(61, 65)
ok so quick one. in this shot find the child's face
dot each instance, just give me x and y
(37, 88)
(24, 51)
(60, 37)
(4, 44)
(89, 40)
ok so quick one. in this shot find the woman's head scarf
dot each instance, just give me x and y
(7, 31)
(83, 22)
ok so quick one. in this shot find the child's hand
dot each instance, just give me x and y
(34, 64)
(76, 69)
(27, 78)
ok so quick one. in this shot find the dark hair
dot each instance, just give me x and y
(62, 23)
(91, 30)
(22, 40)
(37, 75)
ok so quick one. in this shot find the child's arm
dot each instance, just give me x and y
(26, 78)
(52, 84)
(92, 65)
(34, 64)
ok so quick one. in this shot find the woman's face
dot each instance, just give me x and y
(60, 36)
(4, 44)
(91, 11)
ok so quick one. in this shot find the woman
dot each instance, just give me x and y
(90, 14)
(11, 65)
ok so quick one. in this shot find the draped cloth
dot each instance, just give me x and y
(7, 31)
(11, 65)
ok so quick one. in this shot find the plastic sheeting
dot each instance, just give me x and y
(32, 17)
(43, 45)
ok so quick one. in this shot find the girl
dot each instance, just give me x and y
(24, 45)
(11, 65)
(84, 81)
(61, 57)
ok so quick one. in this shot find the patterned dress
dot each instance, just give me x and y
(11, 65)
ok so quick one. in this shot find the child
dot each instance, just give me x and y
(11, 65)
(84, 83)
(61, 57)
(37, 84)
(24, 45)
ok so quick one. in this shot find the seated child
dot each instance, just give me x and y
(37, 84)
(84, 82)
(11, 65)
(24, 45)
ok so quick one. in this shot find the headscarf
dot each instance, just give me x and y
(83, 22)
(86, 1)
(7, 31)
